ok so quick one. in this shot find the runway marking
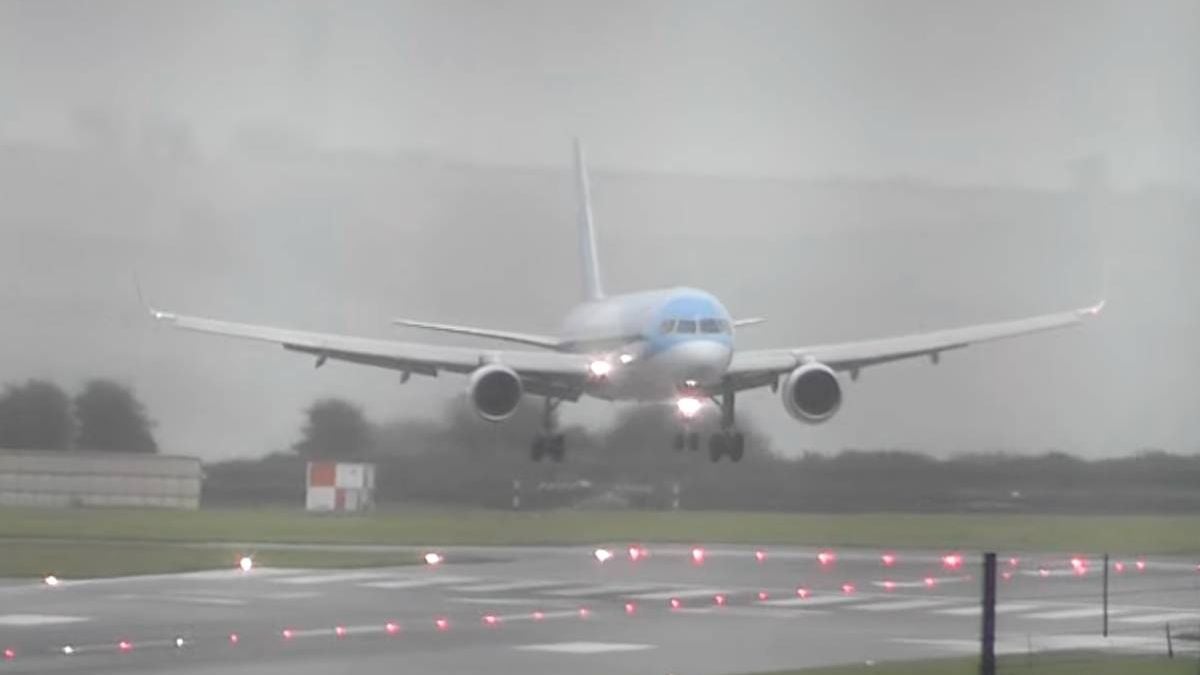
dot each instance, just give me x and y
(819, 601)
(1076, 613)
(515, 585)
(1160, 618)
(681, 593)
(399, 584)
(920, 583)
(900, 605)
(619, 589)
(584, 647)
(329, 578)
(1001, 608)
(38, 619)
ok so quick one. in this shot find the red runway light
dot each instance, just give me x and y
(675, 603)
(847, 588)
(233, 638)
(762, 596)
(888, 559)
(442, 624)
(125, 646)
(339, 631)
(584, 612)
(538, 616)
(952, 561)
(1141, 565)
(490, 620)
(889, 585)
(802, 592)
(1119, 566)
(760, 555)
(1007, 576)
(826, 558)
(391, 627)
(10, 654)
(930, 582)
(1014, 561)
(630, 608)
(1042, 571)
(288, 634)
(719, 600)
(698, 556)
(636, 553)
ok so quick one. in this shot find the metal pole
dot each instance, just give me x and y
(1170, 647)
(1105, 633)
(987, 658)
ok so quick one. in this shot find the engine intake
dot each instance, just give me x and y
(495, 391)
(812, 393)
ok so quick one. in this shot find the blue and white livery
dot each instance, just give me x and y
(675, 345)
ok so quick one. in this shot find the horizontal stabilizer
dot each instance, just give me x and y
(544, 341)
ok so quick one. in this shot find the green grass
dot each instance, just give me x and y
(1065, 663)
(1116, 534)
(91, 559)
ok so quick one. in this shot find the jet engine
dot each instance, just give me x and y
(495, 391)
(812, 393)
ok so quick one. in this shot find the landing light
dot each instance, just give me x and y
(600, 368)
(626, 358)
(688, 406)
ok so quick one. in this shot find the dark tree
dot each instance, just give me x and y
(112, 419)
(35, 416)
(336, 429)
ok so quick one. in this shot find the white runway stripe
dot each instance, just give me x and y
(819, 601)
(899, 605)
(506, 586)
(1001, 608)
(38, 619)
(611, 589)
(681, 593)
(584, 647)
(419, 582)
(1076, 613)
(1161, 618)
(329, 578)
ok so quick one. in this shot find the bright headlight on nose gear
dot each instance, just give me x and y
(689, 406)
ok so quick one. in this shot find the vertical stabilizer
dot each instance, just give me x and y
(592, 289)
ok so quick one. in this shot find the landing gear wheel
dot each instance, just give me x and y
(678, 442)
(736, 446)
(693, 441)
(717, 445)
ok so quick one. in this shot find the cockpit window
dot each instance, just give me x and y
(667, 326)
(685, 326)
(712, 326)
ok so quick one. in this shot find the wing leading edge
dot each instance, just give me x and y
(544, 372)
(758, 367)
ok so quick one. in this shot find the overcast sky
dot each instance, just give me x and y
(185, 140)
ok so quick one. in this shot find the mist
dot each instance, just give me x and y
(847, 170)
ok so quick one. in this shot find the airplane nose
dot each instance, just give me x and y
(703, 361)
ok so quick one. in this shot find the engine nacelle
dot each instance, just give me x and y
(495, 391)
(812, 393)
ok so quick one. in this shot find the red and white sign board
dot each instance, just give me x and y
(340, 486)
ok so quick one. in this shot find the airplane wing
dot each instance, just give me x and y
(543, 373)
(544, 341)
(755, 368)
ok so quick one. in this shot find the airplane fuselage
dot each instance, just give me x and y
(658, 343)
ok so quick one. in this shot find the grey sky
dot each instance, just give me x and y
(318, 165)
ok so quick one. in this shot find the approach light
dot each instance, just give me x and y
(125, 646)
(802, 593)
(888, 559)
(848, 588)
(689, 406)
(697, 556)
(433, 559)
(68, 650)
(952, 561)
(826, 558)
(603, 555)
(51, 580)
(391, 627)
(760, 555)
(246, 563)
(10, 654)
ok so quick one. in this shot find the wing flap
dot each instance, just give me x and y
(543, 341)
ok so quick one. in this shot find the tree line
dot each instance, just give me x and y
(104, 415)
(456, 458)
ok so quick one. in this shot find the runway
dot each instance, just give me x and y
(555, 610)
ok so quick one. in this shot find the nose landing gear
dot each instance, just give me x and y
(728, 442)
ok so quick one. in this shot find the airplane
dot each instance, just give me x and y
(673, 345)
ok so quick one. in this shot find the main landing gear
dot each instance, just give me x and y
(728, 442)
(549, 443)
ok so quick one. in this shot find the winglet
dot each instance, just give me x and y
(154, 313)
(592, 288)
(1095, 309)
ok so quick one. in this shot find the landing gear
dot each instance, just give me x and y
(549, 443)
(728, 441)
